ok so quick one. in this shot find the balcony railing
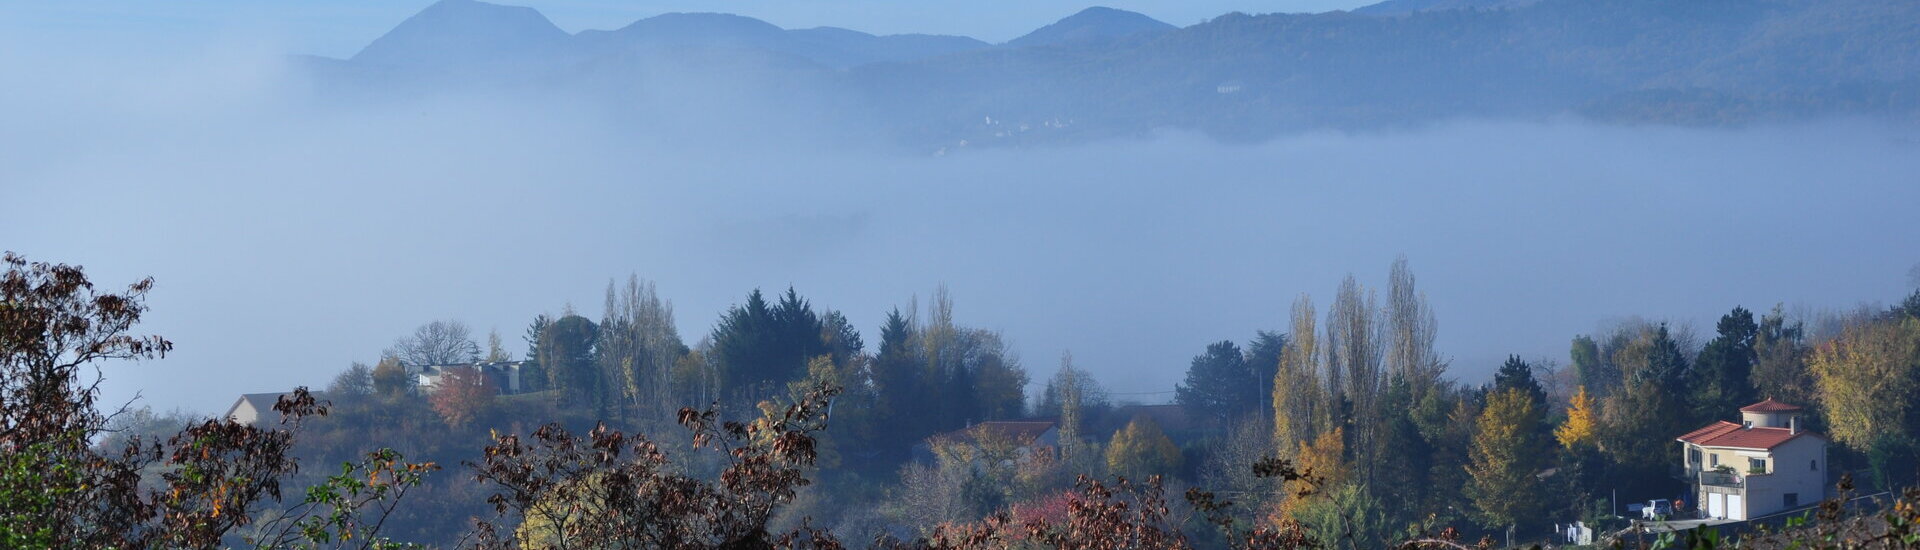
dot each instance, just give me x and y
(1721, 479)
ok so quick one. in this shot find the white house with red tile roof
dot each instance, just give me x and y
(1764, 464)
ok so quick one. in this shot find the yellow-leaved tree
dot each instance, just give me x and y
(1578, 429)
(1865, 380)
(1141, 450)
(1323, 462)
(1504, 459)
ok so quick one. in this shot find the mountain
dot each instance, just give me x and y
(1105, 72)
(1404, 7)
(466, 32)
(828, 46)
(1091, 24)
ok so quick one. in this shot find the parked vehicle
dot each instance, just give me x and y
(1657, 509)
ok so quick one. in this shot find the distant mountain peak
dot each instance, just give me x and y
(1098, 22)
(455, 31)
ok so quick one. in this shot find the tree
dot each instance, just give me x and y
(1353, 355)
(497, 348)
(566, 354)
(1141, 450)
(463, 392)
(391, 380)
(446, 342)
(758, 346)
(1411, 328)
(354, 383)
(900, 389)
(1866, 380)
(1263, 356)
(1723, 373)
(1577, 431)
(1505, 460)
(57, 491)
(1220, 387)
(1323, 463)
(1589, 368)
(637, 348)
(1780, 360)
(998, 381)
(1298, 396)
(1517, 374)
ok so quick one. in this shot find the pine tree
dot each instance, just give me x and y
(1219, 386)
(1722, 375)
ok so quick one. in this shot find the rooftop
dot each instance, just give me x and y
(1769, 406)
(1728, 434)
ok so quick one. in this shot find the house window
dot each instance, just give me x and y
(1693, 456)
(1757, 465)
(1792, 499)
(1713, 459)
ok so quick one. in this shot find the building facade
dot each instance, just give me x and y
(1762, 465)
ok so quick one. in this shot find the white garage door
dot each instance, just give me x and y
(1716, 505)
(1736, 507)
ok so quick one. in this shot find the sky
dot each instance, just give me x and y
(290, 238)
(338, 28)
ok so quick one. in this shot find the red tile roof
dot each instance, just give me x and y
(1728, 434)
(1769, 406)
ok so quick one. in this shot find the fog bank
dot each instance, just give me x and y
(289, 239)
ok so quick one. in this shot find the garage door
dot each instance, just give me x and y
(1736, 507)
(1716, 505)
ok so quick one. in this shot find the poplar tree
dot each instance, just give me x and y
(1299, 398)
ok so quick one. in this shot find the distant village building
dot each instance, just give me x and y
(506, 375)
(255, 409)
(1765, 464)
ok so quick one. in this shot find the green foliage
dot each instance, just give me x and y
(1722, 375)
(566, 354)
(759, 347)
(1347, 518)
(1220, 386)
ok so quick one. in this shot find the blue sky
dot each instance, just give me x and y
(338, 28)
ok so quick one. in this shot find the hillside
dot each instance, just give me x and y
(1106, 72)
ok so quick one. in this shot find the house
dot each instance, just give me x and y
(255, 409)
(1765, 464)
(506, 375)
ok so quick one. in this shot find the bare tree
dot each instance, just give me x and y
(446, 342)
(1410, 331)
(1353, 350)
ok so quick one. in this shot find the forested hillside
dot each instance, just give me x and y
(1107, 73)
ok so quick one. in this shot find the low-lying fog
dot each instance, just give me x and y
(289, 240)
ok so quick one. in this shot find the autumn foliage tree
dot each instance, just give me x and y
(1141, 450)
(1505, 459)
(463, 392)
(191, 490)
(1578, 429)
